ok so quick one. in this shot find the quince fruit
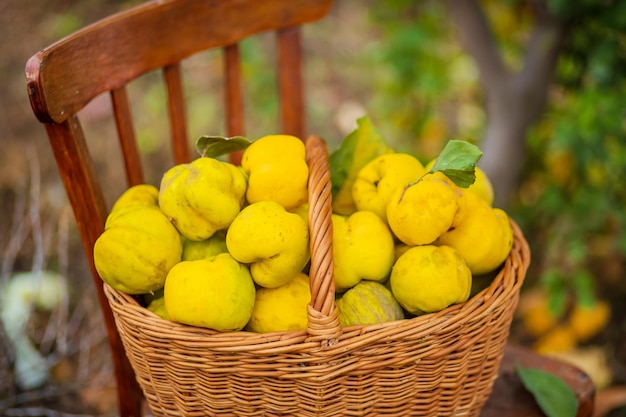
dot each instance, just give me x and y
(157, 306)
(137, 249)
(421, 212)
(377, 181)
(271, 240)
(277, 170)
(137, 195)
(587, 321)
(194, 249)
(368, 302)
(282, 308)
(217, 293)
(203, 196)
(483, 235)
(481, 186)
(363, 249)
(429, 278)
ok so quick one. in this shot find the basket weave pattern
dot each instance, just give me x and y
(443, 363)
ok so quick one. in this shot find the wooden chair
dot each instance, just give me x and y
(107, 55)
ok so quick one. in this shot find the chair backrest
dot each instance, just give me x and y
(105, 56)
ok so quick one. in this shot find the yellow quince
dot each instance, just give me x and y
(157, 306)
(137, 195)
(137, 249)
(363, 249)
(217, 293)
(421, 212)
(429, 278)
(194, 249)
(481, 186)
(483, 235)
(282, 308)
(140, 194)
(277, 170)
(203, 196)
(271, 240)
(377, 181)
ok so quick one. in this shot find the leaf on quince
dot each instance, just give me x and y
(457, 161)
(215, 146)
(553, 395)
(357, 149)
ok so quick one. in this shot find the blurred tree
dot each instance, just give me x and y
(550, 76)
(585, 38)
(515, 99)
(524, 52)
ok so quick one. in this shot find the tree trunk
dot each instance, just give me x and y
(503, 145)
(514, 100)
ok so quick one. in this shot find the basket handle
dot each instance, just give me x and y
(323, 320)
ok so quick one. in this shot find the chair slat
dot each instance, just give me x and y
(177, 116)
(290, 85)
(233, 96)
(126, 133)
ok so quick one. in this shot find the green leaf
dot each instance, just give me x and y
(553, 395)
(458, 162)
(584, 288)
(357, 149)
(214, 146)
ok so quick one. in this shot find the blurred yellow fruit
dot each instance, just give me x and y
(202, 197)
(586, 322)
(368, 302)
(561, 163)
(420, 213)
(430, 278)
(377, 181)
(217, 293)
(137, 250)
(363, 248)
(271, 240)
(559, 339)
(277, 170)
(282, 308)
(538, 320)
(483, 235)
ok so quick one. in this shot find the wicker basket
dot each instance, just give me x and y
(438, 364)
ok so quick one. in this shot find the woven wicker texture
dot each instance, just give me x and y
(437, 364)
